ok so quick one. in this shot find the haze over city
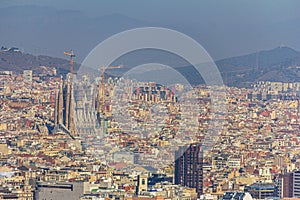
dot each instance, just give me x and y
(224, 28)
(149, 100)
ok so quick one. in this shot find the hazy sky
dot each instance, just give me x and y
(224, 27)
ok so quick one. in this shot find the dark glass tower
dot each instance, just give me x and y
(188, 167)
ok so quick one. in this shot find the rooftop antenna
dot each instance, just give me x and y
(256, 60)
(281, 45)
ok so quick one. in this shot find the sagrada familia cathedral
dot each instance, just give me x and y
(75, 107)
(64, 112)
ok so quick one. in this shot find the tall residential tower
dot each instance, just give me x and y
(188, 167)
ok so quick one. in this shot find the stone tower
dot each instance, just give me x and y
(64, 111)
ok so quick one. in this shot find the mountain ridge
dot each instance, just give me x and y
(279, 64)
(18, 61)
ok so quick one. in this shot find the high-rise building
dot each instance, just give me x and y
(285, 182)
(296, 184)
(188, 167)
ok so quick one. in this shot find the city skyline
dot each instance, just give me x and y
(132, 100)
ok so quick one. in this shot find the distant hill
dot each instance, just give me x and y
(17, 61)
(279, 64)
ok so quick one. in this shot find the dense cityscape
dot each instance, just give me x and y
(149, 100)
(256, 155)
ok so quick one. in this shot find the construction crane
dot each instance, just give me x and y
(69, 121)
(100, 99)
(71, 55)
(102, 108)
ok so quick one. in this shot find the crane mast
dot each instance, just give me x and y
(101, 108)
(69, 118)
(71, 55)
